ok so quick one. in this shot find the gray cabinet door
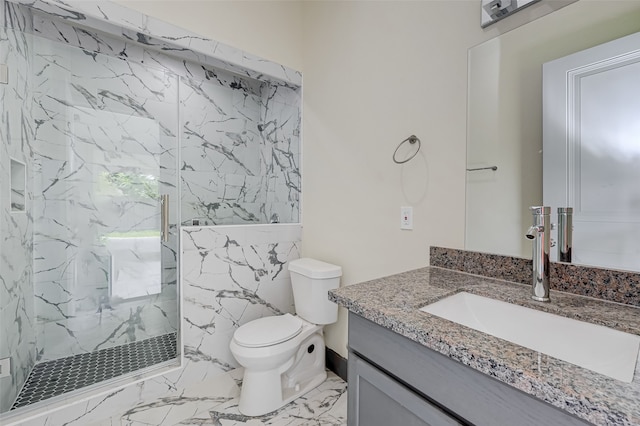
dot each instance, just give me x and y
(470, 395)
(375, 399)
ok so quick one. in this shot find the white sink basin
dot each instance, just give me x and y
(601, 349)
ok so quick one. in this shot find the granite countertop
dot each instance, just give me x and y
(393, 303)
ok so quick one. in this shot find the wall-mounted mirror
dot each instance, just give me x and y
(505, 116)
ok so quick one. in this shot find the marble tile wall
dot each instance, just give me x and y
(119, 88)
(230, 276)
(240, 151)
(280, 130)
(17, 317)
(247, 153)
(112, 19)
(240, 131)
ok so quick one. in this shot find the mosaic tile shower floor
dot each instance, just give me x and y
(215, 402)
(56, 377)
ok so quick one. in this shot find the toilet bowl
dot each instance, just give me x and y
(284, 356)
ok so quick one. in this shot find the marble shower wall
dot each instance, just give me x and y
(280, 130)
(17, 317)
(240, 115)
(240, 151)
(244, 172)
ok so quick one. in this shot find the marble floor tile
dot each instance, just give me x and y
(325, 405)
(215, 402)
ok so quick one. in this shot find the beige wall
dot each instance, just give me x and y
(374, 73)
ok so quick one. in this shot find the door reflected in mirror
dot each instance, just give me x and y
(591, 153)
(505, 117)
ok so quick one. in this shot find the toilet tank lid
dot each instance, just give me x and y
(313, 268)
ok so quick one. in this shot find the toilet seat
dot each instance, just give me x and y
(268, 331)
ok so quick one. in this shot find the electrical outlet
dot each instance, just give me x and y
(406, 217)
(5, 367)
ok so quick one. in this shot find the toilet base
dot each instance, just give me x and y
(290, 394)
(265, 391)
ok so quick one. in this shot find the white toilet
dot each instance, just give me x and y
(283, 356)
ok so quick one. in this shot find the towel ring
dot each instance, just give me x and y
(411, 139)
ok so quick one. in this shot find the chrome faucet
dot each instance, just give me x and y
(540, 233)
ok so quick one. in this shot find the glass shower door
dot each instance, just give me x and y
(105, 152)
(89, 152)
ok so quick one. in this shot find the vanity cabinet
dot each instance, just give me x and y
(396, 381)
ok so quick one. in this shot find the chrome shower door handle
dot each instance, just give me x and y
(164, 217)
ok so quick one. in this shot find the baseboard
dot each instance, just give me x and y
(336, 363)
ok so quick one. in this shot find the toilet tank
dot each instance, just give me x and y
(311, 280)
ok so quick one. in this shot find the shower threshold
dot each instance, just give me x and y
(56, 377)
